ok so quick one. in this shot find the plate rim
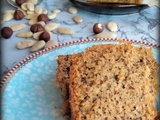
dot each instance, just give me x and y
(37, 54)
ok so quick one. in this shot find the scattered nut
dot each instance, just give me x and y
(24, 6)
(7, 17)
(56, 11)
(63, 30)
(30, 6)
(33, 21)
(24, 34)
(36, 28)
(51, 43)
(45, 36)
(112, 26)
(36, 35)
(77, 19)
(106, 35)
(51, 26)
(8, 11)
(38, 10)
(33, 1)
(17, 27)
(72, 10)
(52, 15)
(20, 2)
(6, 32)
(18, 15)
(25, 44)
(42, 23)
(31, 16)
(30, 12)
(43, 17)
(98, 28)
(37, 46)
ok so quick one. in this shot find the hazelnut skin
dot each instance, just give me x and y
(98, 28)
(43, 17)
(44, 36)
(6, 32)
(18, 15)
(20, 2)
(36, 28)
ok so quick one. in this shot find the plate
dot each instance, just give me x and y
(29, 91)
(110, 8)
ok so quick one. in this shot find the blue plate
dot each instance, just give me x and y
(29, 91)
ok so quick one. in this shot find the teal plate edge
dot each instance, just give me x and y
(36, 55)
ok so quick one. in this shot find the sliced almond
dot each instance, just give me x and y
(36, 35)
(8, 11)
(44, 11)
(112, 26)
(56, 11)
(33, 1)
(30, 16)
(106, 35)
(25, 44)
(51, 43)
(17, 27)
(24, 6)
(37, 46)
(24, 34)
(30, 6)
(30, 12)
(7, 17)
(24, 12)
(72, 10)
(64, 30)
(33, 21)
(51, 26)
(52, 15)
(38, 10)
(77, 19)
(42, 23)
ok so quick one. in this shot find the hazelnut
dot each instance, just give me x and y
(36, 28)
(18, 15)
(20, 2)
(44, 36)
(6, 32)
(98, 28)
(43, 17)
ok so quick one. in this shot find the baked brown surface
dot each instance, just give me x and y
(113, 82)
(62, 79)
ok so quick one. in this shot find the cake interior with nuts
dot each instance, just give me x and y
(110, 82)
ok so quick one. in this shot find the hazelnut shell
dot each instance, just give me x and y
(36, 28)
(18, 15)
(98, 28)
(6, 32)
(44, 36)
(43, 17)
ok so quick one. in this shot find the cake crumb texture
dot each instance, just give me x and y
(113, 82)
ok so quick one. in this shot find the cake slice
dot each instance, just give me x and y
(113, 82)
(62, 79)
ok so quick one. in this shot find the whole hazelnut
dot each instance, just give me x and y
(20, 2)
(98, 28)
(36, 28)
(44, 36)
(43, 17)
(18, 15)
(6, 32)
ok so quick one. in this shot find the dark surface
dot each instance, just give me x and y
(110, 8)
